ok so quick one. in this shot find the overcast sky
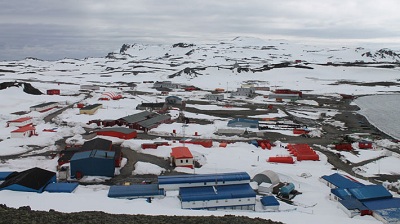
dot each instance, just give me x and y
(55, 29)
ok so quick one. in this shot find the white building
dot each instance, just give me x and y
(23, 132)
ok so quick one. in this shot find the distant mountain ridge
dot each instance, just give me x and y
(189, 60)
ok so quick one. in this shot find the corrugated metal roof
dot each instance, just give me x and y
(61, 187)
(352, 204)
(137, 190)
(134, 118)
(342, 193)
(22, 119)
(24, 129)
(390, 215)
(242, 120)
(118, 129)
(216, 192)
(198, 178)
(181, 152)
(43, 104)
(269, 201)
(93, 154)
(369, 192)
(341, 181)
(154, 120)
(97, 143)
(383, 203)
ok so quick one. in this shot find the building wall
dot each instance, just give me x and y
(118, 134)
(243, 124)
(214, 97)
(90, 112)
(21, 134)
(173, 187)
(236, 203)
(184, 162)
(93, 167)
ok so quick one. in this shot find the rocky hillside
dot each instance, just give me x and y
(26, 215)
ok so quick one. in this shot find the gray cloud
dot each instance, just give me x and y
(51, 29)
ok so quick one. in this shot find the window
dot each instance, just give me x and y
(181, 160)
(216, 201)
(205, 183)
(187, 161)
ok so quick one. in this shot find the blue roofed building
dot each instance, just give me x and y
(61, 187)
(136, 191)
(5, 174)
(243, 123)
(93, 163)
(338, 181)
(339, 194)
(31, 180)
(196, 180)
(353, 207)
(388, 215)
(370, 192)
(269, 203)
(235, 197)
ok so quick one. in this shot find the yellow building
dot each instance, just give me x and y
(90, 109)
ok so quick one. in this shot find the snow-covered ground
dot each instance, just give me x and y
(114, 75)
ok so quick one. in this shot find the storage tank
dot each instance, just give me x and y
(285, 190)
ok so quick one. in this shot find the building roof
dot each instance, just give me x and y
(151, 105)
(369, 192)
(97, 143)
(243, 120)
(118, 129)
(24, 129)
(134, 118)
(22, 119)
(269, 201)
(181, 152)
(352, 204)
(4, 175)
(199, 178)
(341, 193)
(390, 215)
(154, 120)
(267, 176)
(101, 154)
(44, 104)
(216, 192)
(341, 181)
(61, 187)
(92, 106)
(34, 178)
(173, 97)
(133, 191)
(383, 203)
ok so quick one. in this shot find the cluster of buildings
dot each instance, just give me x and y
(355, 198)
(144, 121)
(96, 157)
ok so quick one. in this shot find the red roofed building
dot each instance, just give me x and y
(23, 132)
(182, 157)
(20, 122)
